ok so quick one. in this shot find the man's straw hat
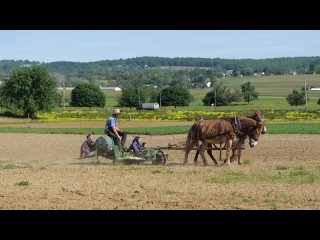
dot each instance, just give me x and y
(116, 111)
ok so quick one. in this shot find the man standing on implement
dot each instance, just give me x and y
(112, 130)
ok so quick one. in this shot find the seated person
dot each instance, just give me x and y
(87, 147)
(111, 129)
(136, 145)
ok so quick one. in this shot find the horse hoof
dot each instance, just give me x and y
(233, 158)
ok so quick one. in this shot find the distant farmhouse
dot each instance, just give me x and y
(110, 88)
(102, 88)
(67, 88)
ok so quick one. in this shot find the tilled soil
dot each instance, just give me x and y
(43, 171)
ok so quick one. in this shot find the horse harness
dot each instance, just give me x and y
(236, 125)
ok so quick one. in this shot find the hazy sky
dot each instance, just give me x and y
(89, 45)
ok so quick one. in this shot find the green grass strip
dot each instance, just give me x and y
(273, 128)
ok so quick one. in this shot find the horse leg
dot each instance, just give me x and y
(186, 156)
(187, 151)
(210, 154)
(202, 150)
(239, 156)
(195, 160)
(234, 155)
(228, 151)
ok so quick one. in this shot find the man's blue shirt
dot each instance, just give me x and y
(112, 122)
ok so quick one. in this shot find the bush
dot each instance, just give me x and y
(29, 89)
(87, 95)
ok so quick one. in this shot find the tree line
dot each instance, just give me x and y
(32, 89)
(153, 70)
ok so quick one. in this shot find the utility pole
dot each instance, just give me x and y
(215, 95)
(160, 98)
(305, 92)
(139, 96)
(64, 96)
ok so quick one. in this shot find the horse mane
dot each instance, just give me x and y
(256, 116)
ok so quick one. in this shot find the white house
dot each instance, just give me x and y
(67, 88)
(110, 88)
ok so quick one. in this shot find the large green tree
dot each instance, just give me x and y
(312, 68)
(249, 93)
(175, 96)
(221, 96)
(29, 89)
(131, 96)
(87, 95)
(296, 98)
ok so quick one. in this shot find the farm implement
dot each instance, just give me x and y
(107, 151)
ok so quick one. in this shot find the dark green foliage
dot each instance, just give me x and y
(246, 71)
(224, 96)
(175, 96)
(318, 101)
(133, 69)
(130, 96)
(29, 89)
(312, 68)
(296, 98)
(249, 93)
(87, 95)
(199, 81)
(59, 99)
(235, 73)
(154, 94)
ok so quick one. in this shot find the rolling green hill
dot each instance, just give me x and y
(272, 93)
(277, 86)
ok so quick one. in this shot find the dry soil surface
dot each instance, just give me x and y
(43, 171)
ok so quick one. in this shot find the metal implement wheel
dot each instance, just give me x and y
(161, 158)
(103, 157)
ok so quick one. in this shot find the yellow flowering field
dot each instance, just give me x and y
(171, 115)
(83, 115)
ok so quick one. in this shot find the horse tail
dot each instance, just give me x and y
(192, 137)
(188, 140)
(192, 140)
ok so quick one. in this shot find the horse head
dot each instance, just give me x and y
(259, 118)
(253, 129)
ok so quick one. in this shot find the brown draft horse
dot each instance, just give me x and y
(237, 144)
(238, 150)
(218, 131)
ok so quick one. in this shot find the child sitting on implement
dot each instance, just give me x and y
(87, 148)
(136, 145)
